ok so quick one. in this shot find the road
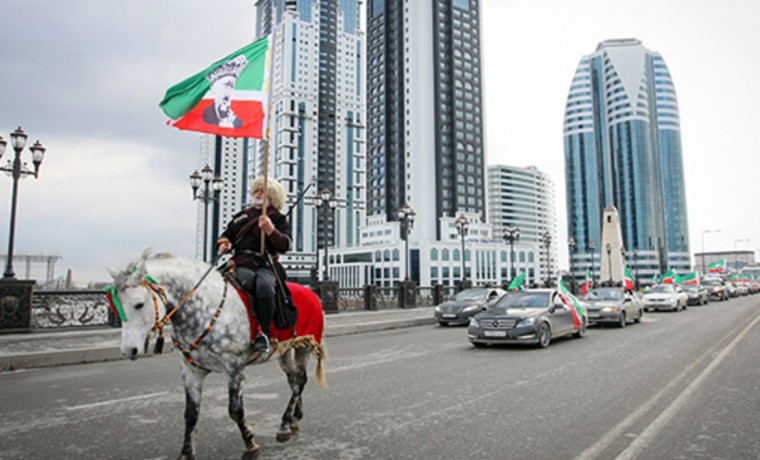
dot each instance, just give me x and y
(680, 385)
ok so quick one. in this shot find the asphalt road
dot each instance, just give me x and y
(678, 385)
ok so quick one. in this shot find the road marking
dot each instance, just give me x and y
(656, 426)
(116, 401)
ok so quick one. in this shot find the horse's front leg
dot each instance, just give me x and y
(293, 363)
(193, 381)
(237, 413)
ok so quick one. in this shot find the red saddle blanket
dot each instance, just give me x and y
(311, 318)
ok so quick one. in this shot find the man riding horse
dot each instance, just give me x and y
(252, 270)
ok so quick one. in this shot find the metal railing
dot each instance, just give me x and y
(60, 309)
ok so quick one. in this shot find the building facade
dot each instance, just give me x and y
(525, 198)
(317, 126)
(622, 148)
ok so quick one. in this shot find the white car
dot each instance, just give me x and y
(665, 297)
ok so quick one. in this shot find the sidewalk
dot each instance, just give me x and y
(44, 349)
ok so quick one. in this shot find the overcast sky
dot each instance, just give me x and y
(85, 78)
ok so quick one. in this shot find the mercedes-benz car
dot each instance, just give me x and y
(466, 304)
(665, 297)
(534, 316)
(613, 305)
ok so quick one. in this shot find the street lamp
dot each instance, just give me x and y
(210, 183)
(636, 266)
(546, 239)
(511, 234)
(591, 249)
(406, 220)
(462, 225)
(326, 202)
(570, 251)
(608, 247)
(17, 170)
(703, 246)
(736, 258)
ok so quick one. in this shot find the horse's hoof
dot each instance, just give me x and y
(283, 436)
(294, 428)
(186, 457)
(252, 453)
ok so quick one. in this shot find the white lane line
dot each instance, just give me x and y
(654, 428)
(620, 429)
(116, 401)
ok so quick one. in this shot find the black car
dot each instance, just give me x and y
(466, 304)
(534, 316)
(716, 288)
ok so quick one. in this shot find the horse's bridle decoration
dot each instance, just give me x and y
(156, 291)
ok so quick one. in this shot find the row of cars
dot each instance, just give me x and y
(537, 316)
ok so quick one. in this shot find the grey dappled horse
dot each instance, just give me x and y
(150, 288)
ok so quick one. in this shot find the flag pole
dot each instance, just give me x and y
(266, 145)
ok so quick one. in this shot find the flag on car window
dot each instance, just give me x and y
(517, 283)
(572, 303)
(630, 281)
(718, 267)
(588, 283)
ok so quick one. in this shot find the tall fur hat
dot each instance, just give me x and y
(275, 192)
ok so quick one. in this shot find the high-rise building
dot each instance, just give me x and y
(525, 198)
(229, 160)
(623, 148)
(424, 107)
(317, 120)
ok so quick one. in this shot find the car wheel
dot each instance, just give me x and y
(623, 320)
(637, 320)
(580, 332)
(443, 323)
(544, 336)
(479, 344)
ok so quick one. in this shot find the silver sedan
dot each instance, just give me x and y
(613, 305)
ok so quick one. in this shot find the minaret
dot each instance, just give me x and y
(612, 248)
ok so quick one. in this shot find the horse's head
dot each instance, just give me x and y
(133, 302)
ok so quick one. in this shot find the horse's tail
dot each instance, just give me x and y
(320, 352)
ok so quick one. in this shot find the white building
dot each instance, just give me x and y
(525, 198)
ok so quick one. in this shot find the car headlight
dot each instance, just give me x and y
(470, 308)
(474, 322)
(437, 309)
(609, 309)
(528, 321)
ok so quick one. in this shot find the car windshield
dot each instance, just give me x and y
(710, 283)
(663, 289)
(524, 299)
(604, 294)
(690, 287)
(472, 294)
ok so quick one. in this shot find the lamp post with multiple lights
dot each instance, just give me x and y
(511, 234)
(212, 186)
(462, 226)
(703, 246)
(406, 219)
(326, 203)
(591, 249)
(546, 239)
(18, 170)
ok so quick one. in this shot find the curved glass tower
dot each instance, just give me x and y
(623, 148)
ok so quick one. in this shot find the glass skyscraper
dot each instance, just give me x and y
(623, 148)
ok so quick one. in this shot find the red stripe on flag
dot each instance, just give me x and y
(251, 113)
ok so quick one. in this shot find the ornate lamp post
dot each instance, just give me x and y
(511, 234)
(636, 266)
(736, 257)
(591, 249)
(462, 225)
(571, 250)
(608, 247)
(210, 183)
(406, 219)
(546, 239)
(326, 203)
(17, 170)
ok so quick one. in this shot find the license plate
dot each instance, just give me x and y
(495, 333)
(449, 315)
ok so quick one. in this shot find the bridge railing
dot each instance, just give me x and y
(62, 309)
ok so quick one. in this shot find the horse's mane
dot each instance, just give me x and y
(135, 270)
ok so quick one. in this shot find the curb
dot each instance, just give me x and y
(96, 355)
